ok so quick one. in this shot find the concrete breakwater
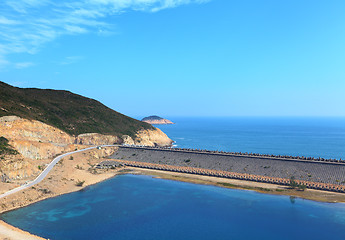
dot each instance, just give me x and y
(309, 171)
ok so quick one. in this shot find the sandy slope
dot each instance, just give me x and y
(9, 232)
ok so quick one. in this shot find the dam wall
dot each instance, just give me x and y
(302, 170)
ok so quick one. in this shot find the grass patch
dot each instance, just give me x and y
(229, 185)
(5, 148)
(79, 183)
(226, 184)
(79, 167)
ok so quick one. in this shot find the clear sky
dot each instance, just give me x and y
(181, 57)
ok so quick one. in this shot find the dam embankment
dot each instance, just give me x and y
(311, 171)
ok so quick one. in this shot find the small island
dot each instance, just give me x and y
(156, 120)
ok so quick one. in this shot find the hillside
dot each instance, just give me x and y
(67, 111)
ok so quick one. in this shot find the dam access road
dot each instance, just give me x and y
(45, 172)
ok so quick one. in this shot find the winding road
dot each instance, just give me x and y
(45, 172)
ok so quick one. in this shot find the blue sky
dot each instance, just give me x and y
(181, 57)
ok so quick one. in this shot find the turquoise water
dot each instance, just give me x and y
(311, 137)
(141, 207)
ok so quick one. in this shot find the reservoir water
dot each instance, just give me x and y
(294, 136)
(142, 207)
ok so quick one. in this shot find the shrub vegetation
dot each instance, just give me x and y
(295, 185)
(5, 148)
(79, 183)
(67, 111)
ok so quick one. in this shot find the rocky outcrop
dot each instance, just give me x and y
(34, 139)
(37, 140)
(97, 139)
(156, 120)
(12, 127)
(102, 153)
(38, 150)
(152, 138)
(16, 167)
(128, 140)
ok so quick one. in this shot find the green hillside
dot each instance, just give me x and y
(67, 111)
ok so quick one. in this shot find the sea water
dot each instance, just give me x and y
(141, 207)
(293, 136)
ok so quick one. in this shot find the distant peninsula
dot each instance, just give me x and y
(156, 120)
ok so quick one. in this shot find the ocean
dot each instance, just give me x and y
(143, 207)
(293, 136)
(132, 207)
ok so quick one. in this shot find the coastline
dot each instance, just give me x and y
(61, 180)
(104, 174)
(10, 232)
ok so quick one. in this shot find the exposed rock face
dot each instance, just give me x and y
(104, 152)
(12, 127)
(152, 138)
(97, 139)
(149, 138)
(16, 167)
(37, 150)
(34, 139)
(128, 140)
(37, 140)
(156, 120)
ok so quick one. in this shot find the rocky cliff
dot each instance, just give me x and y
(17, 167)
(149, 138)
(37, 140)
(33, 139)
(97, 139)
(16, 128)
(37, 143)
